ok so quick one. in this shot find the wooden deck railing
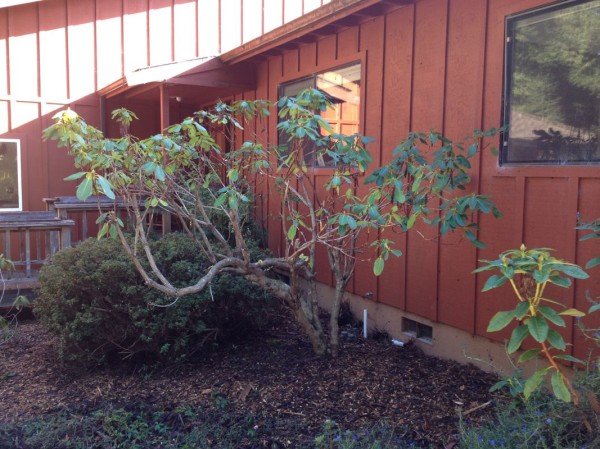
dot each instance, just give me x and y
(85, 213)
(29, 239)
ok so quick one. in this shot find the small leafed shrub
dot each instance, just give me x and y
(381, 435)
(542, 422)
(139, 426)
(93, 299)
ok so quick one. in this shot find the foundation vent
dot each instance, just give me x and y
(417, 330)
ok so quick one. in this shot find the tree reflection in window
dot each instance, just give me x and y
(10, 198)
(553, 85)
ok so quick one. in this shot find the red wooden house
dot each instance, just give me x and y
(412, 65)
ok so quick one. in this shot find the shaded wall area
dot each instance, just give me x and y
(58, 53)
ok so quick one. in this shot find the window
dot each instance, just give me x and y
(342, 87)
(552, 85)
(10, 175)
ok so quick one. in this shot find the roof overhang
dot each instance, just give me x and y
(188, 77)
(9, 3)
(163, 72)
(329, 18)
(233, 72)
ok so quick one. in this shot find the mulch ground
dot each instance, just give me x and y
(276, 374)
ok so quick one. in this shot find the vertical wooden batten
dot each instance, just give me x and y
(275, 237)
(371, 41)
(165, 119)
(475, 262)
(465, 53)
(399, 35)
(427, 113)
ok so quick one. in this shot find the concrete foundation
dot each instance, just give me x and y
(447, 342)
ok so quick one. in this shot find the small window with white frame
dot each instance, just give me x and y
(342, 86)
(552, 85)
(11, 198)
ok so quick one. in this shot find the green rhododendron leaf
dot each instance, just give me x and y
(572, 270)
(493, 282)
(571, 312)
(594, 308)
(534, 382)
(593, 262)
(84, 191)
(522, 310)
(552, 315)
(519, 334)
(75, 176)
(559, 387)
(556, 340)
(528, 355)
(538, 328)
(106, 187)
(568, 358)
(561, 281)
(292, 232)
(378, 266)
(500, 320)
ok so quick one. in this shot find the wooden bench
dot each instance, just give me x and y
(65, 206)
(29, 239)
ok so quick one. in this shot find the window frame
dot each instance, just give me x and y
(17, 143)
(511, 22)
(313, 74)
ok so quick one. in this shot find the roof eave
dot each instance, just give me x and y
(10, 3)
(308, 23)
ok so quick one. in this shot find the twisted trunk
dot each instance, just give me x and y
(334, 327)
(302, 301)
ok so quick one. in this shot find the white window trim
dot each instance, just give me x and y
(19, 177)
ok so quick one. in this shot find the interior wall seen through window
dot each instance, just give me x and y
(342, 86)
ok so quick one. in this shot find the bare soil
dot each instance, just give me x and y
(275, 374)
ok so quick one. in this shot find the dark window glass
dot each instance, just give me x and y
(10, 175)
(552, 94)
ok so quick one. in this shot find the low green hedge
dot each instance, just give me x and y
(94, 300)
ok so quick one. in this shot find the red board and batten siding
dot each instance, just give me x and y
(540, 203)
(462, 113)
(430, 64)
(59, 53)
(439, 65)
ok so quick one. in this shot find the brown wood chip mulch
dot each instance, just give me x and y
(277, 375)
